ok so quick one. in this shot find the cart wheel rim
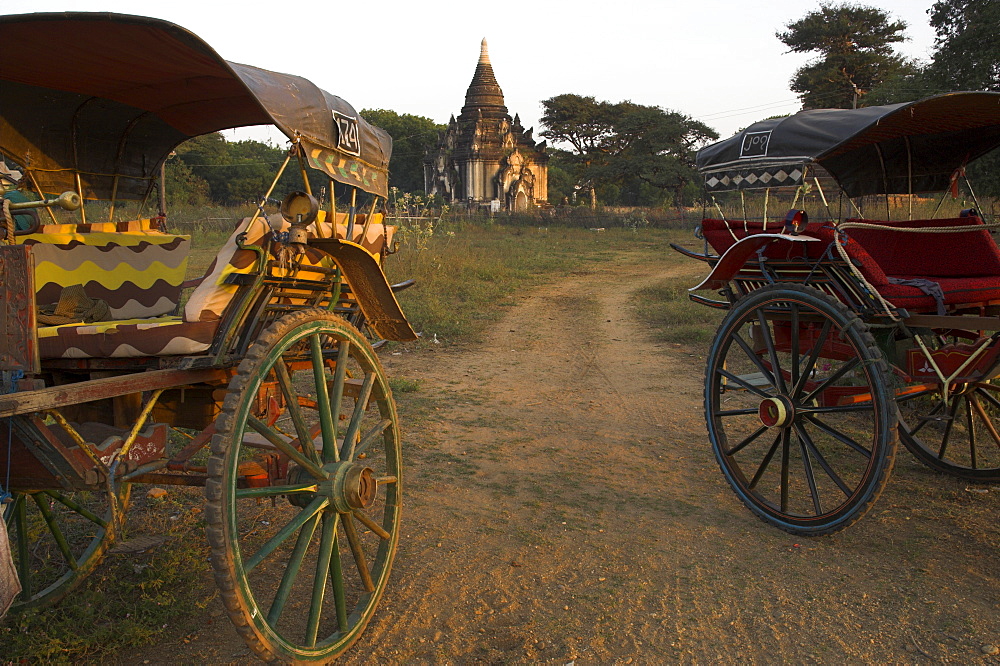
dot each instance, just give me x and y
(798, 409)
(307, 585)
(59, 537)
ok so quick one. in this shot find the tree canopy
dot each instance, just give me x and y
(411, 136)
(855, 54)
(637, 154)
(967, 51)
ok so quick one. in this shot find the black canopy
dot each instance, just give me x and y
(894, 149)
(110, 95)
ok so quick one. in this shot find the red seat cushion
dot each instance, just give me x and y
(965, 264)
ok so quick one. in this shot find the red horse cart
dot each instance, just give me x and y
(868, 314)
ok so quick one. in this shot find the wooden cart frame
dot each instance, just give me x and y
(284, 399)
(842, 336)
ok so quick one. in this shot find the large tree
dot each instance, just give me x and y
(854, 51)
(967, 50)
(412, 136)
(629, 148)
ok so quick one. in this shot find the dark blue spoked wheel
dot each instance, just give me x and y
(303, 557)
(799, 410)
(960, 437)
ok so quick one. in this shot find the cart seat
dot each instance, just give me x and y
(132, 266)
(211, 297)
(129, 338)
(965, 265)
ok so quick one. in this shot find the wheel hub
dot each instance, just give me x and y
(776, 412)
(349, 486)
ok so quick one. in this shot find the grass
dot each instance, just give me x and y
(672, 316)
(468, 272)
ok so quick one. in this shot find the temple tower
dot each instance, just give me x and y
(486, 158)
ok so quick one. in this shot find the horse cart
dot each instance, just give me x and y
(261, 384)
(868, 314)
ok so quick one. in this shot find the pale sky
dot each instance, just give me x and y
(717, 61)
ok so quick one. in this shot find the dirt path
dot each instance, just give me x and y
(563, 505)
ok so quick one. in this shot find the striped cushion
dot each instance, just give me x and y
(138, 273)
(130, 338)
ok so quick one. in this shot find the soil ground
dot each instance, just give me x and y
(563, 505)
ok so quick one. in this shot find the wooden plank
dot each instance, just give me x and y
(106, 387)
(18, 338)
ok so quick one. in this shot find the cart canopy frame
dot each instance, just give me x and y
(71, 108)
(896, 149)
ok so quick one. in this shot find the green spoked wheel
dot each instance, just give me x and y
(799, 412)
(302, 553)
(59, 537)
(959, 438)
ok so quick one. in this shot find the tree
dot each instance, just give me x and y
(642, 151)
(855, 50)
(412, 136)
(967, 53)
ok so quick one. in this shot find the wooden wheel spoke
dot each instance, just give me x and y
(371, 436)
(357, 549)
(939, 405)
(288, 530)
(811, 446)
(839, 436)
(275, 491)
(982, 388)
(292, 569)
(844, 369)
(807, 468)
(326, 545)
(285, 446)
(371, 524)
(23, 566)
(77, 508)
(768, 375)
(987, 421)
(738, 412)
(765, 332)
(813, 357)
(305, 437)
(54, 529)
(795, 345)
(327, 419)
(337, 579)
(351, 434)
(972, 432)
(747, 440)
(837, 409)
(786, 441)
(765, 462)
(743, 384)
(952, 413)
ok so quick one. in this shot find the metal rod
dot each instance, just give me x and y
(368, 221)
(352, 213)
(302, 167)
(79, 191)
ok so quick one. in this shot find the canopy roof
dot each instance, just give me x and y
(110, 95)
(894, 149)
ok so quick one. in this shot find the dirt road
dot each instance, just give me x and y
(562, 504)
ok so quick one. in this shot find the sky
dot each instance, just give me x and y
(716, 61)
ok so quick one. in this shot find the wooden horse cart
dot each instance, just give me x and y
(869, 318)
(262, 385)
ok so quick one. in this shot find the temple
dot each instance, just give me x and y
(486, 158)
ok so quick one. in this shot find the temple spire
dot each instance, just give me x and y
(484, 93)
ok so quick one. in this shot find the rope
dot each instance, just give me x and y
(8, 219)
